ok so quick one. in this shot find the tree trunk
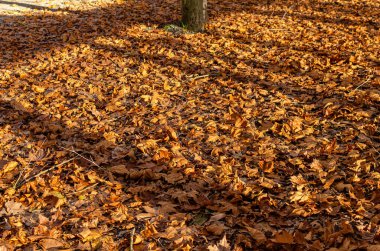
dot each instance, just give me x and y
(194, 14)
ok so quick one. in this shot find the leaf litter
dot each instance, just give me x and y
(261, 133)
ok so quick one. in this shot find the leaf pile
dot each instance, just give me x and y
(261, 133)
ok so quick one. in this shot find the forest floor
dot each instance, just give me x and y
(261, 133)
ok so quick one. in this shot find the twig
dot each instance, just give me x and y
(265, 53)
(286, 12)
(84, 189)
(376, 150)
(45, 171)
(278, 30)
(22, 171)
(78, 154)
(159, 242)
(19, 177)
(131, 242)
(199, 77)
(365, 82)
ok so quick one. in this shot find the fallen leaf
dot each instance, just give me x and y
(216, 228)
(222, 245)
(283, 237)
(51, 244)
(256, 234)
(14, 208)
(89, 234)
(11, 165)
(119, 169)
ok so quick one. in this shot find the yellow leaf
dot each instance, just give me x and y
(89, 235)
(167, 87)
(171, 132)
(137, 240)
(146, 98)
(10, 191)
(111, 136)
(212, 138)
(9, 166)
(38, 89)
(179, 161)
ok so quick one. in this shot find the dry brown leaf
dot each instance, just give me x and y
(256, 234)
(51, 244)
(173, 177)
(217, 217)
(373, 248)
(119, 169)
(14, 208)
(22, 105)
(216, 228)
(283, 237)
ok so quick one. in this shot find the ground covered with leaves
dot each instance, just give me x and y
(119, 132)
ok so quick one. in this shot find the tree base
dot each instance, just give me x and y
(194, 14)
